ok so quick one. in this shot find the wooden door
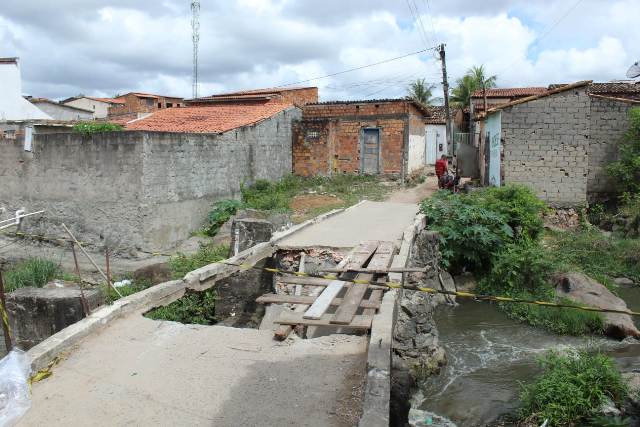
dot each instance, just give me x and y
(370, 152)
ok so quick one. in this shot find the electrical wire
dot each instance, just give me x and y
(358, 68)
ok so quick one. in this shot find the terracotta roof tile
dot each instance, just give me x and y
(510, 92)
(214, 118)
(107, 100)
(617, 89)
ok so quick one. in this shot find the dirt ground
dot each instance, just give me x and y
(415, 194)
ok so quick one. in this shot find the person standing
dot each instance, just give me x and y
(442, 167)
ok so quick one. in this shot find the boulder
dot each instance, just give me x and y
(154, 273)
(584, 290)
(623, 281)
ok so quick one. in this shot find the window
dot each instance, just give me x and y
(169, 104)
(312, 135)
(159, 104)
(149, 102)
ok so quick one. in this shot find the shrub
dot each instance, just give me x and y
(35, 272)
(469, 233)
(519, 205)
(193, 307)
(221, 213)
(89, 128)
(571, 388)
(522, 271)
(181, 264)
(626, 171)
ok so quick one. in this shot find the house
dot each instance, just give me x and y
(13, 106)
(500, 96)
(436, 134)
(99, 106)
(148, 187)
(298, 96)
(559, 142)
(61, 112)
(137, 104)
(368, 137)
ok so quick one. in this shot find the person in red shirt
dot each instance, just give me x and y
(442, 167)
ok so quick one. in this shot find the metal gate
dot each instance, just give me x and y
(370, 151)
(493, 126)
(431, 146)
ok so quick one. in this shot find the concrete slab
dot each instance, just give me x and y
(149, 373)
(365, 221)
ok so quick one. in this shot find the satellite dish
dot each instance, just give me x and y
(634, 70)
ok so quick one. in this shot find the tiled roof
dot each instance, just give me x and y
(559, 89)
(437, 115)
(621, 90)
(214, 118)
(266, 91)
(107, 100)
(510, 92)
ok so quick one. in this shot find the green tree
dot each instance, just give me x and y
(474, 79)
(626, 171)
(420, 91)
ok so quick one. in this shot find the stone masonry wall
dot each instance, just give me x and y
(609, 123)
(546, 143)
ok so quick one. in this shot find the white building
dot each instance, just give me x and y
(61, 112)
(13, 106)
(99, 106)
(436, 135)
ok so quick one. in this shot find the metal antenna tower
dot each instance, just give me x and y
(195, 26)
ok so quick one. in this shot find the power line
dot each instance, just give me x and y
(358, 68)
(430, 14)
(418, 22)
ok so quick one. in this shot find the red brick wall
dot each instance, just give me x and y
(301, 97)
(135, 104)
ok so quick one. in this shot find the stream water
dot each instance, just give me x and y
(488, 354)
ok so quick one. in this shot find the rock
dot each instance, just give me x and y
(623, 281)
(154, 273)
(465, 282)
(248, 232)
(609, 409)
(583, 289)
(632, 405)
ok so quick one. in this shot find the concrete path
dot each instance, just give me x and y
(152, 373)
(366, 221)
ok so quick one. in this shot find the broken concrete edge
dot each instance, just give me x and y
(164, 293)
(376, 399)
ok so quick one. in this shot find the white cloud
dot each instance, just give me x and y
(105, 47)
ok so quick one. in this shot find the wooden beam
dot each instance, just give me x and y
(315, 281)
(361, 254)
(322, 303)
(291, 318)
(347, 310)
(376, 296)
(382, 258)
(308, 300)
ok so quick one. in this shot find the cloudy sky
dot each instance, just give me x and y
(104, 47)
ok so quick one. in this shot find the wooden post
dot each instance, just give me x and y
(85, 304)
(90, 259)
(106, 256)
(5, 317)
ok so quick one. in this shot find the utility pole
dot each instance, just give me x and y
(195, 36)
(445, 88)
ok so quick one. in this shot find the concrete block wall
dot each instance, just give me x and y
(92, 184)
(609, 123)
(140, 190)
(545, 146)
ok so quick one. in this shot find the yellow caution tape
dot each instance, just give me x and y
(44, 373)
(5, 319)
(480, 297)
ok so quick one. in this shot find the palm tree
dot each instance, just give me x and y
(474, 79)
(421, 92)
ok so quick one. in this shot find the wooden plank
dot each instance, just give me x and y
(382, 258)
(283, 331)
(322, 303)
(308, 300)
(375, 297)
(314, 281)
(361, 254)
(347, 310)
(291, 318)
(379, 270)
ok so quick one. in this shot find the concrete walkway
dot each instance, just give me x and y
(153, 373)
(365, 221)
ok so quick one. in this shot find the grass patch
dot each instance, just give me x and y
(89, 128)
(595, 254)
(35, 272)
(181, 264)
(193, 307)
(572, 388)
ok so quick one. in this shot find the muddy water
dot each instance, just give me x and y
(488, 355)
